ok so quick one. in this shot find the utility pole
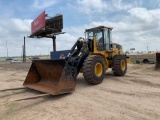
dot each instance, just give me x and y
(24, 51)
(7, 47)
(147, 49)
(48, 53)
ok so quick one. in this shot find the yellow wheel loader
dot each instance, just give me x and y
(91, 56)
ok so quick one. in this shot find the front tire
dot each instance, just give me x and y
(94, 69)
(119, 65)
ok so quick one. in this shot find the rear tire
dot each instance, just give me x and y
(119, 65)
(145, 61)
(94, 69)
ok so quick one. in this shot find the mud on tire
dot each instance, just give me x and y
(94, 69)
(119, 65)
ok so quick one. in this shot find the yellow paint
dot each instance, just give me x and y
(123, 65)
(98, 69)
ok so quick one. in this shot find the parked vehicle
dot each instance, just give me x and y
(16, 61)
(7, 59)
(34, 58)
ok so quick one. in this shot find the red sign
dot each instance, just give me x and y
(38, 23)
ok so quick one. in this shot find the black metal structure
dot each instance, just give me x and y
(77, 55)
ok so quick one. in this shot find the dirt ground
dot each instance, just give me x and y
(136, 96)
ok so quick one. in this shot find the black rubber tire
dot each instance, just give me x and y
(116, 65)
(145, 61)
(89, 69)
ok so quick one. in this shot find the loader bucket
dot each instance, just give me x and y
(157, 60)
(50, 76)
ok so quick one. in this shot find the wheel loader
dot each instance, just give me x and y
(91, 56)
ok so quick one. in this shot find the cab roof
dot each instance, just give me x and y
(99, 27)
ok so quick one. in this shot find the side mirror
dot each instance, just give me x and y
(111, 46)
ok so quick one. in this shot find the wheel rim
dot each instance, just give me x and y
(123, 65)
(98, 69)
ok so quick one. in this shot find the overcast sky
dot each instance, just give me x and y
(136, 23)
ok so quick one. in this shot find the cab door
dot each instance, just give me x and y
(107, 38)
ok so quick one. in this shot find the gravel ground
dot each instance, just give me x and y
(136, 96)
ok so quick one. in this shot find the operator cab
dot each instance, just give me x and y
(103, 36)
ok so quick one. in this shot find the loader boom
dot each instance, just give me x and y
(77, 55)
